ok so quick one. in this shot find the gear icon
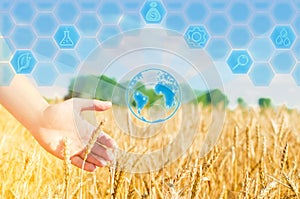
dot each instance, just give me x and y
(196, 37)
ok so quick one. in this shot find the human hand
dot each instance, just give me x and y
(64, 120)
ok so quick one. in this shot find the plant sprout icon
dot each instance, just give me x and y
(282, 38)
(23, 62)
(242, 60)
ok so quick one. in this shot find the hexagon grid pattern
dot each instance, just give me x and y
(257, 39)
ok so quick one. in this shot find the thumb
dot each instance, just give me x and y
(90, 105)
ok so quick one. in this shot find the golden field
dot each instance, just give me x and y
(256, 156)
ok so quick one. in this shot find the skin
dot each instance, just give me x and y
(50, 124)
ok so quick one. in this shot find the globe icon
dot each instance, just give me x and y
(153, 95)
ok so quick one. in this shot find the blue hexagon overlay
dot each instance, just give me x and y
(296, 49)
(23, 12)
(261, 74)
(283, 62)
(5, 50)
(86, 46)
(45, 24)
(239, 12)
(44, 74)
(88, 24)
(239, 36)
(174, 4)
(5, 5)
(261, 24)
(175, 22)
(239, 62)
(23, 62)
(261, 49)
(45, 5)
(66, 37)
(153, 12)
(218, 48)
(66, 62)
(297, 3)
(6, 24)
(45, 49)
(23, 37)
(217, 4)
(132, 5)
(196, 12)
(107, 33)
(218, 24)
(88, 5)
(296, 74)
(6, 74)
(196, 36)
(66, 11)
(261, 4)
(283, 37)
(110, 12)
(131, 21)
(296, 24)
(283, 12)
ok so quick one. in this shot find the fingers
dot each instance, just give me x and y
(78, 161)
(101, 105)
(103, 153)
(90, 105)
(96, 160)
(98, 157)
(106, 140)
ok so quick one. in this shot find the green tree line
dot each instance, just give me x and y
(103, 88)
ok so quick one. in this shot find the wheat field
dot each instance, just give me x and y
(257, 156)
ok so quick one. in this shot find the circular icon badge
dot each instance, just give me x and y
(154, 81)
(153, 95)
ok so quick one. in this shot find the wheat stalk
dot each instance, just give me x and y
(291, 184)
(131, 188)
(248, 147)
(67, 163)
(196, 184)
(88, 149)
(262, 172)
(284, 157)
(266, 191)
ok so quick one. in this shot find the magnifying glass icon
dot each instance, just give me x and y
(242, 60)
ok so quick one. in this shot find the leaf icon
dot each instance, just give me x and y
(23, 62)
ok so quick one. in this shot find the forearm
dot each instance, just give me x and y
(50, 125)
(24, 102)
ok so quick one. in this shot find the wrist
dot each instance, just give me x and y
(40, 120)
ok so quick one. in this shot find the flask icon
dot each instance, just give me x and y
(153, 14)
(66, 41)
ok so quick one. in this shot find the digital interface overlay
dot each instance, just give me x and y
(170, 50)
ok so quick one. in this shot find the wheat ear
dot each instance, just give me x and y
(284, 157)
(89, 147)
(67, 163)
(265, 192)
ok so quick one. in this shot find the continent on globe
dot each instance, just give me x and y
(141, 101)
(167, 93)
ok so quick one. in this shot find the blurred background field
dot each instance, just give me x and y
(257, 156)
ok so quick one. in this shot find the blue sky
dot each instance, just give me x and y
(267, 31)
